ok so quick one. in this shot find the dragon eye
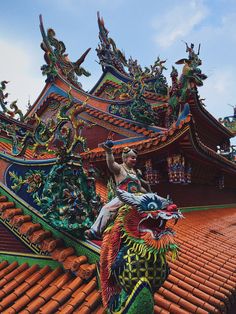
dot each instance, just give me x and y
(152, 206)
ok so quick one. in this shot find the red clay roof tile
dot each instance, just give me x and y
(78, 290)
(18, 220)
(202, 279)
(164, 303)
(11, 212)
(68, 262)
(47, 280)
(64, 253)
(50, 244)
(3, 265)
(7, 268)
(93, 299)
(34, 305)
(8, 300)
(73, 262)
(39, 235)
(7, 278)
(86, 271)
(27, 228)
(50, 307)
(75, 284)
(78, 262)
(62, 296)
(159, 310)
(20, 303)
(10, 311)
(3, 198)
(55, 253)
(101, 310)
(5, 205)
(77, 300)
(49, 292)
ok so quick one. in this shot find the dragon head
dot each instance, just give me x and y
(147, 220)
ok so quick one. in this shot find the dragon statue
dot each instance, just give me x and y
(133, 255)
(192, 75)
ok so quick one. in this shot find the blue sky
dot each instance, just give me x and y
(142, 29)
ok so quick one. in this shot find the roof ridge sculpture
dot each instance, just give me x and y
(108, 53)
(57, 60)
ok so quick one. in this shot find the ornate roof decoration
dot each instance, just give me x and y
(191, 72)
(57, 60)
(139, 110)
(230, 121)
(184, 88)
(108, 53)
(152, 72)
(3, 103)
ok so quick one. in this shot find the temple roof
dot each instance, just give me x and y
(184, 134)
(26, 289)
(202, 279)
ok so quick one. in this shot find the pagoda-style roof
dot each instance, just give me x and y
(46, 269)
(184, 135)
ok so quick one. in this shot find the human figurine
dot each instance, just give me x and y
(126, 178)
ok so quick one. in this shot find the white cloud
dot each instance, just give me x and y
(219, 90)
(20, 65)
(178, 21)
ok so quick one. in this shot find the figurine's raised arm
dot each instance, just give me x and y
(113, 166)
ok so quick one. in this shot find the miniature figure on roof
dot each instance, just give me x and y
(192, 75)
(185, 87)
(230, 121)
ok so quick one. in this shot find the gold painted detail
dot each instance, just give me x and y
(138, 266)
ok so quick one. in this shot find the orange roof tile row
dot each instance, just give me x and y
(105, 116)
(155, 140)
(142, 145)
(44, 239)
(203, 278)
(119, 122)
(26, 289)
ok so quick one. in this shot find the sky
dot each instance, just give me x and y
(141, 29)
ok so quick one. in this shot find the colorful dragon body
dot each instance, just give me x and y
(133, 262)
